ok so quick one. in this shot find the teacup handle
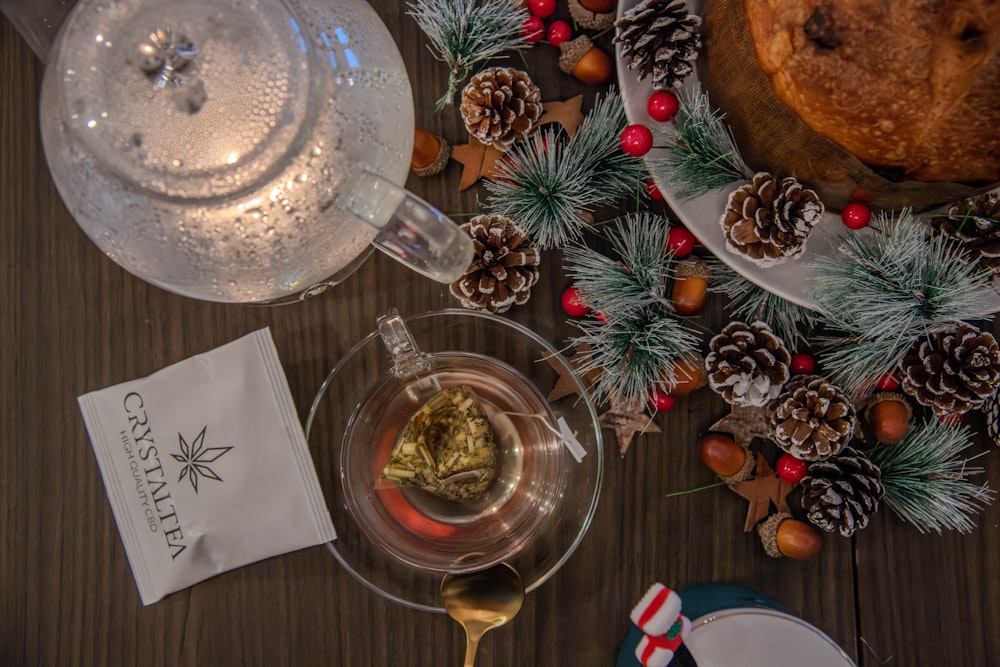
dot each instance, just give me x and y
(407, 359)
(410, 230)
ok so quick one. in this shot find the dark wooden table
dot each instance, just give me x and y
(71, 321)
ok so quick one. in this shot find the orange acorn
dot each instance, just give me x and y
(782, 535)
(690, 289)
(585, 61)
(593, 14)
(688, 375)
(725, 457)
(430, 153)
(889, 417)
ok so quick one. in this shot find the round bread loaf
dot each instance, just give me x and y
(910, 88)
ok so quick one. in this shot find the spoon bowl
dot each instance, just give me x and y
(482, 600)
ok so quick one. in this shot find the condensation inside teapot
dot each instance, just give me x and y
(201, 144)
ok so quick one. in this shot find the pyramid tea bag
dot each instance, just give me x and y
(447, 448)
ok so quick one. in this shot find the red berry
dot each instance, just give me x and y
(601, 317)
(662, 106)
(888, 382)
(803, 363)
(680, 242)
(856, 215)
(653, 191)
(543, 9)
(572, 304)
(559, 32)
(636, 140)
(791, 469)
(533, 29)
(660, 401)
(952, 418)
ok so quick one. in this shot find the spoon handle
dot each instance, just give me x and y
(471, 645)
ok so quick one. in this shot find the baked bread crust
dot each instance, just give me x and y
(909, 87)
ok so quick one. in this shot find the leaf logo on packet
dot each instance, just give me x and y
(206, 466)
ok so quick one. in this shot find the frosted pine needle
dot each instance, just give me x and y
(749, 302)
(886, 288)
(639, 344)
(464, 33)
(550, 184)
(926, 478)
(699, 153)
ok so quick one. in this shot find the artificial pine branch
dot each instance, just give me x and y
(885, 289)
(749, 302)
(638, 345)
(464, 33)
(926, 480)
(549, 185)
(699, 153)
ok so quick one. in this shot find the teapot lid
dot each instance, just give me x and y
(191, 99)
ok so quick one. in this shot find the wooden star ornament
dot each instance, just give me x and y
(628, 418)
(566, 385)
(745, 424)
(765, 488)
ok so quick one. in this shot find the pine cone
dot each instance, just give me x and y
(813, 419)
(504, 269)
(953, 371)
(842, 492)
(992, 410)
(660, 38)
(500, 105)
(976, 223)
(747, 364)
(768, 221)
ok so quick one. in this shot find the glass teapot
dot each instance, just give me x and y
(239, 150)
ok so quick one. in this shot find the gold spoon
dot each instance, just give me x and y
(481, 601)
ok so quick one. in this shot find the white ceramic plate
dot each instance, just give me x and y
(701, 215)
(754, 637)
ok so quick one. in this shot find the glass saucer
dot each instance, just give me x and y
(449, 335)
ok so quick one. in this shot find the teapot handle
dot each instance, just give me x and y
(410, 230)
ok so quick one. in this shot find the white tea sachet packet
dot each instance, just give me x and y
(206, 466)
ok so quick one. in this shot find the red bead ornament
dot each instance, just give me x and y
(636, 140)
(653, 191)
(533, 29)
(791, 469)
(572, 304)
(803, 363)
(856, 215)
(559, 32)
(543, 9)
(888, 382)
(662, 106)
(660, 401)
(680, 242)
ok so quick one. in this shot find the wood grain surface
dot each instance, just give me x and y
(71, 321)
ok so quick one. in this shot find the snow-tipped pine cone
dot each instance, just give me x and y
(747, 365)
(769, 221)
(842, 492)
(500, 105)
(504, 268)
(975, 223)
(952, 371)
(813, 419)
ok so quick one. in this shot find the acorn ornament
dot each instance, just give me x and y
(888, 415)
(782, 535)
(727, 459)
(593, 14)
(585, 61)
(430, 153)
(690, 289)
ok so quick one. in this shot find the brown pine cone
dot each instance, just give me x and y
(747, 364)
(504, 269)
(952, 371)
(842, 492)
(976, 223)
(813, 419)
(500, 105)
(769, 221)
(660, 38)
